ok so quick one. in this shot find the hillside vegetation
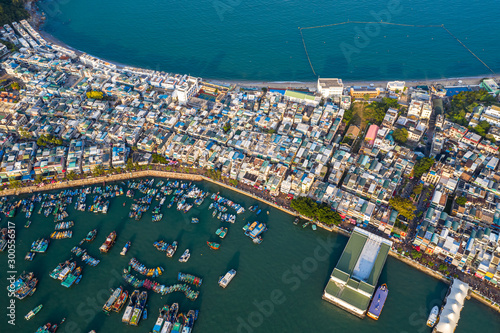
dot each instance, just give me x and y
(12, 10)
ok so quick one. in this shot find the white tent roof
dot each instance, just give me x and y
(448, 320)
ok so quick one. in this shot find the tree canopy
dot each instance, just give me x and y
(400, 135)
(464, 103)
(461, 201)
(95, 94)
(375, 112)
(308, 207)
(48, 138)
(12, 10)
(422, 166)
(404, 206)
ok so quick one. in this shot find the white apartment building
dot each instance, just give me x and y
(187, 89)
(330, 87)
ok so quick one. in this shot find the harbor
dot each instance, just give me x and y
(276, 258)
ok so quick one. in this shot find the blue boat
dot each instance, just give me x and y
(378, 302)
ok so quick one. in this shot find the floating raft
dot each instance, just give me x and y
(188, 278)
(142, 269)
(160, 288)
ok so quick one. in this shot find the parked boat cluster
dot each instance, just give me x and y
(142, 269)
(160, 288)
(184, 195)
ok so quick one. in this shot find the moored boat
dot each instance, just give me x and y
(378, 302)
(172, 248)
(125, 248)
(111, 300)
(139, 307)
(24, 285)
(130, 307)
(433, 316)
(213, 245)
(108, 244)
(33, 312)
(189, 321)
(185, 256)
(224, 280)
(161, 318)
(118, 305)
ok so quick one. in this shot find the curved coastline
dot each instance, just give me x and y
(465, 80)
(198, 177)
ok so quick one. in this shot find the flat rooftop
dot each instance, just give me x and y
(354, 279)
(329, 83)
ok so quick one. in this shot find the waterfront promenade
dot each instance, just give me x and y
(159, 171)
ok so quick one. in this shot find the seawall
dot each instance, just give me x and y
(195, 177)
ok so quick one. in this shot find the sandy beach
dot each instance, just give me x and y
(37, 23)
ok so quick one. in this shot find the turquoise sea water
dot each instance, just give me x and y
(291, 268)
(260, 40)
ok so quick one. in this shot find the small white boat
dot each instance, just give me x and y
(185, 256)
(224, 280)
(433, 316)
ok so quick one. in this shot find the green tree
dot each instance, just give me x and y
(307, 207)
(416, 254)
(461, 201)
(15, 86)
(404, 207)
(227, 127)
(464, 103)
(422, 166)
(400, 135)
(418, 189)
(366, 97)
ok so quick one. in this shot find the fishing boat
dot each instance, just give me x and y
(33, 312)
(125, 248)
(161, 318)
(50, 328)
(378, 302)
(185, 256)
(72, 277)
(305, 224)
(90, 236)
(28, 223)
(224, 280)
(66, 271)
(111, 300)
(313, 226)
(40, 245)
(171, 319)
(258, 212)
(24, 285)
(254, 230)
(130, 307)
(118, 305)
(189, 321)
(145, 314)
(221, 232)
(296, 221)
(178, 325)
(29, 256)
(213, 245)
(139, 307)
(108, 244)
(433, 316)
(172, 248)
(195, 220)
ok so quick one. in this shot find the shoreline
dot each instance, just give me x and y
(197, 177)
(37, 24)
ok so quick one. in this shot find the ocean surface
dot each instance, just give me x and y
(260, 40)
(277, 288)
